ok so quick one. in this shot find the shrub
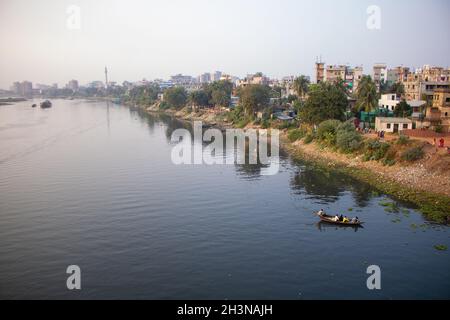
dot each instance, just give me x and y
(265, 124)
(376, 150)
(308, 138)
(402, 140)
(296, 134)
(439, 129)
(346, 126)
(413, 154)
(327, 131)
(348, 141)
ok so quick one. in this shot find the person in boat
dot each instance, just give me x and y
(345, 219)
(321, 212)
(341, 218)
(336, 218)
(355, 220)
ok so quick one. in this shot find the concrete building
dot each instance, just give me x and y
(204, 78)
(379, 74)
(24, 88)
(320, 72)
(439, 112)
(392, 125)
(335, 73)
(397, 74)
(388, 101)
(73, 85)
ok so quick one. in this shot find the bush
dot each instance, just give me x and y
(376, 150)
(402, 140)
(413, 154)
(327, 131)
(348, 141)
(265, 124)
(296, 134)
(439, 129)
(308, 138)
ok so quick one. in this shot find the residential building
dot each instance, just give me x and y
(320, 72)
(204, 78)
(388, 101)
(24, 88)
(392, 124)
(73, 85)
(397, 74)
(379, 74)
(439, 112)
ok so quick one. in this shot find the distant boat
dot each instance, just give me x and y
(46, 104)
(34, 105)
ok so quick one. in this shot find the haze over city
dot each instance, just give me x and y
(156, 39)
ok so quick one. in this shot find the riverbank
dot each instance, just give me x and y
(421, 183)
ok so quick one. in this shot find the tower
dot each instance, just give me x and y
(106, 77)
(320, 71)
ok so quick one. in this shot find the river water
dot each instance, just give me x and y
(92, 184)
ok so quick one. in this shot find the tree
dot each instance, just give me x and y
(398, 88)
(366, 95)
(199, 98)
(219, 93)
(403, 109)
(301, 85)
(175, 97)
(254, 97)
(325, 101)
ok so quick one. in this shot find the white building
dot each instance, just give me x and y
(388, 101)
(393, 125)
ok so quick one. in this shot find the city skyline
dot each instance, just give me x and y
(278, 39)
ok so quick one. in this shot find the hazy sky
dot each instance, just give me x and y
(157, 38)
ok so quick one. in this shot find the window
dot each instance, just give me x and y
(388, 126)
(405, 126)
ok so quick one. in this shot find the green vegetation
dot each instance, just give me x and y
(301, 86)
(375, 150)
(366, 95)
(402, 109)
(440, 247)
(413, 154)
(175, 97)
(296, 134)
(325, 101)
(402, 140)
(254, 98)
(199, 98)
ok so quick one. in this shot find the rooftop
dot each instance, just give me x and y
(393, 120)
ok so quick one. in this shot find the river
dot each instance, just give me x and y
(92, 184)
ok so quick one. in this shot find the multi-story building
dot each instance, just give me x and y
(320, 72)
(180, 79)
(379, 74)
(73, 85)
(253, 79)
(333, 74)
(439, 112)
(388, 101)
(24, 88)
(397, 74)
(204, 78)
(419, 86)
(216, 76)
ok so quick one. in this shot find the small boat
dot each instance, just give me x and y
(330, 219)
(46, 104)
(34, 105)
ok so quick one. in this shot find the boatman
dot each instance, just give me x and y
(321, 212)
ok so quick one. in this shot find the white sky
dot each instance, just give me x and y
(157, 38)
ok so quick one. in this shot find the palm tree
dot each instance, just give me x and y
(301, 85)
(366, 95)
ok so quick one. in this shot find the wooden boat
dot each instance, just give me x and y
(46, 104)
(330, 219)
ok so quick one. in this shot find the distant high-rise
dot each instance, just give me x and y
(106, 77)
(320, 72)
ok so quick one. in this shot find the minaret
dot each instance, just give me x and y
(106, 78)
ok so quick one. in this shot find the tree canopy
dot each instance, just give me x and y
(403, 109)
(325, 101)
(366, 95)
(301, 85)
(254, 97)
(175, 97)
